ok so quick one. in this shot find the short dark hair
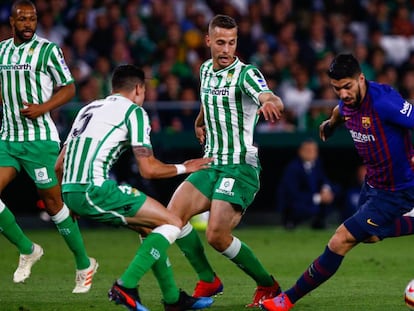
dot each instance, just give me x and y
(344, 66)
(126, 77)
(222, 21)
(21, 3)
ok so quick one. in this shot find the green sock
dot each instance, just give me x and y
(150, 251)
(69, 230)
(12, 231)
(164, 275)
(193, 249)
(249, 263)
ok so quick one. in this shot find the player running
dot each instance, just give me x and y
(380, 122)
(233, 95)
(101, 132)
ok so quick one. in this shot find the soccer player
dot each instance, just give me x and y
(30, 68)
(379, 121)
(100, 133)
(233, 96)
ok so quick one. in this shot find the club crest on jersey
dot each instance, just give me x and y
(31, 51)
(229, 77)
(366, 122)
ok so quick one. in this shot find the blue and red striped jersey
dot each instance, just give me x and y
(381, 130)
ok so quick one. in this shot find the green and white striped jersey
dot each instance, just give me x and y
(28, 73)
(102, 130)
(230, 100)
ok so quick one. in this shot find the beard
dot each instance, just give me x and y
(358, 100)
(20, 35)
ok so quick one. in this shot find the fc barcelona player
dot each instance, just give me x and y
(380, 122)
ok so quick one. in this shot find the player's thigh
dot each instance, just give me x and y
(39, 161)
(379, 212)
(152, 214)
(9, 163)
(192, 196)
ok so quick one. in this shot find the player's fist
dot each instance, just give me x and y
(325, 130)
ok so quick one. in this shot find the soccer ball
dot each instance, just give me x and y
(409, 295)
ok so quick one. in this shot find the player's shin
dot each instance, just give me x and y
(12, 231)
(190, 244)
(153, 248)
(69, 230)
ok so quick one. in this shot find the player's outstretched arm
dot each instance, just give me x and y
(271, 106)
(327, 127)
(152, 168)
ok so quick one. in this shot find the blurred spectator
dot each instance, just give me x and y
(142, 48)
(168, 36)
(347, 43)
(377, 59)
(101, 39)
(388, 75)
(5, 31)
(297, 95)
(245, 40)
(79, 42)
(407, 84)
(102, 73)
(261, 55)
(361, 53)
(304, 192)
(401, 25)
(120, 52)
(275, 16)
(255, 16)
(317, 41)
(46, 28)
(114, 13)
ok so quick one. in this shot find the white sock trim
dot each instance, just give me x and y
(185, 230)
(169, 232)
(62, 215)
(2, 206)
(233, 249)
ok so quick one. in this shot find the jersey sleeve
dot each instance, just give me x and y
(396, 109)
(139, 128)
(57, 67)
(253, 83)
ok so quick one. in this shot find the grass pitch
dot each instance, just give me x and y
(371, 278)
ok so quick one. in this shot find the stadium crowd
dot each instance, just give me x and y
(291, 41)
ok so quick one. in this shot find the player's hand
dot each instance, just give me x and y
(327, 196)
(271, 110)
(194, 165)
(32, 111)
(325, 130)
(200, 133)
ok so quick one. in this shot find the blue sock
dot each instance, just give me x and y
(403, 225)
(318, 272)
